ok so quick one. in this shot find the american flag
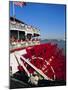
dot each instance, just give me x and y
(19, 3)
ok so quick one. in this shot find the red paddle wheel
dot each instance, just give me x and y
(48, 58)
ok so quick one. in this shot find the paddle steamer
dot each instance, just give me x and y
(31, 61)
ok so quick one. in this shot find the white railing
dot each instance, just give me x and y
(16, 26)
(23, 27)
(23, 44)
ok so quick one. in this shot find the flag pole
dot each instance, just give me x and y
(13, 11)
(14, 18)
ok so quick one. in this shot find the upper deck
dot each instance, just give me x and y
(22, 35)
(16, 24)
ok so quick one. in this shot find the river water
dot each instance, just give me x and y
(61, 43)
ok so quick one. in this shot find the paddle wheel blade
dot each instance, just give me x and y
(49, 59)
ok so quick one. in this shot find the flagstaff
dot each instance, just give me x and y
(13, 11)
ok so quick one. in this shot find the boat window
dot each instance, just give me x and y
(29, 36)
(36, 35)
(13, 34)
(21, 35)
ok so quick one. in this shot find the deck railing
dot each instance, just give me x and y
(17, 44)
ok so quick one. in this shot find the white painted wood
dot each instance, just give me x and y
(35, 68)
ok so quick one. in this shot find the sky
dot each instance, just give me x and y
(49, 18)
